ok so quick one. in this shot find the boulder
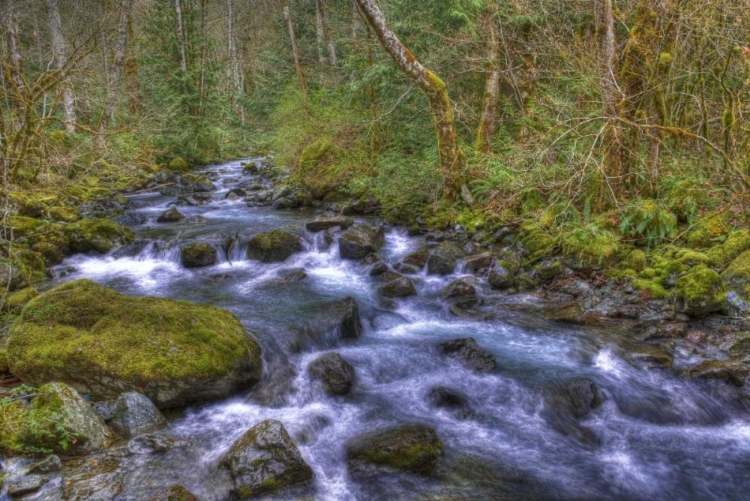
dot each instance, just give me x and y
(171, 215)
(273, 247)
(469, 354)
(500, 277)
(100, 235)
(12, 274)
(50, 464)
(325, 223)
(325, 324)
(477, 263)
(152, 443)
(264, 460)
(105, 343)
(443, 259)
(360, 240)
(411, 447)
(737, 276)
(26, 485)
(197, 255)
(187, 184)
(293, 275)
(447, 398)
(565, 404)
(131, 219)
(134, 413)
(722, 370)
(414, 262)
(699, 292)
(398, 286)
(461, 287)
(175, 492)
(62, 422)
(334, 372)
(235, 194)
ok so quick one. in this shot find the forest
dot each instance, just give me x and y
(459, 156)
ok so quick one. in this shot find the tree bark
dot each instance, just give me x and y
(181, 37)
(233, 60)
(319, 32)
(451, 157)
(605, 37)
(117, 70)
(488, 121)
(295, 50)
(14, 51)
(204, 54)
(61, 58)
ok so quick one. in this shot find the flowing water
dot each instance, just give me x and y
(661, 437)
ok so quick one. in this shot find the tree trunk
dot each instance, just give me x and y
(452, 158)
(295, 49)
(319, 32)
(488, 121)
(330, 44)
(605, 37)
(181, 37)
(233, 61)
(122, 43)
(61, 58)
(14, 52)
(204, 53)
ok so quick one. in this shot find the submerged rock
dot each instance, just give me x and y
(469, 354)
(334, 372)
(565, 404)
(134, 413)
(198, 255)
(360, 240)
(411, 447)
(274, 246)
(264, 460)
(104, 343)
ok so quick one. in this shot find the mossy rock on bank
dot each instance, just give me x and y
(723, 254)
(700, 291)
(536, 241)
(56, 420)
(15, 301)
(100, 235)
(737, 276)
(104, 343)
(178, 164)
(410, 447)
(274, 246)
(708, 230)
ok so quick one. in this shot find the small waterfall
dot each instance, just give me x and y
(161, 251)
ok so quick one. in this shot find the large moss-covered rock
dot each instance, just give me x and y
(723, 254)
(737, 276)
(104, 343)
(57, 419)
(360, 240)
(700, 291)
(100, 235)
(17, 300)
(411, 447)
(197, 255)
(265, 459)
(274, 246)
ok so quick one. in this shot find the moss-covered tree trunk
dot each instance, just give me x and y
(60, 53)
(452, 158)
(488, 121)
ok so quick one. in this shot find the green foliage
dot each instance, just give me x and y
(648, 222)
(711, 229)
(590, 243)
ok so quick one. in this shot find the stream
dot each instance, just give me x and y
(660, 436)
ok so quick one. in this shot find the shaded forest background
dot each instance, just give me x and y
(610, 119)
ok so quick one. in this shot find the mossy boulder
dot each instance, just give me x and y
(104, 343)
(711, 228)
(700, 291)
(66, 214)
(100, 235)
(411, 447)
(318, 170)
(198, 255)
(15, 301)
(13, 275)
(728, 371)
(57, 419)
(637, 260)
(273, 247)
(360, 241)
(264, 460)
(178, 164)
(326, 223)
(737, 276)
(536, 241)
(723, 254)
(590, 244)
(171, 215)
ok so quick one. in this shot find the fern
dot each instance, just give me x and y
(648, 222)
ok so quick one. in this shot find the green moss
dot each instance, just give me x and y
(409, 458)
(101, 235)
(139, 339)
(273, 246)
(700, 291)
(536, 240)
(691, 258)
(721, 255)
(737, 275)
(67, 214)
(648, 273)
(666, 266)
(17, 300)
(709, 230)
(318, 168)
(3, 357)
(651, 288)
(637, 260)
(26, 226)
(178, 164)
(591, 244)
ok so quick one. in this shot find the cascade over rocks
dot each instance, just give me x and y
(264, 460)
(104, 343)
(325, 324)
(443, 259)
(470, 354)
(198, 255)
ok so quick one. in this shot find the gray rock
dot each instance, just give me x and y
(26, 485)
(325, 223)
(500, 277)
(470, 354)
(151, 444)
(265, 459)
(461, 287)
(360, 240)
(325, 324)
(443, 259)
(412, 447)
(397, 287)
(50, 464)
(478, 262)
(170, 216)
(336, 374)
(175, 492)
(134, 413)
